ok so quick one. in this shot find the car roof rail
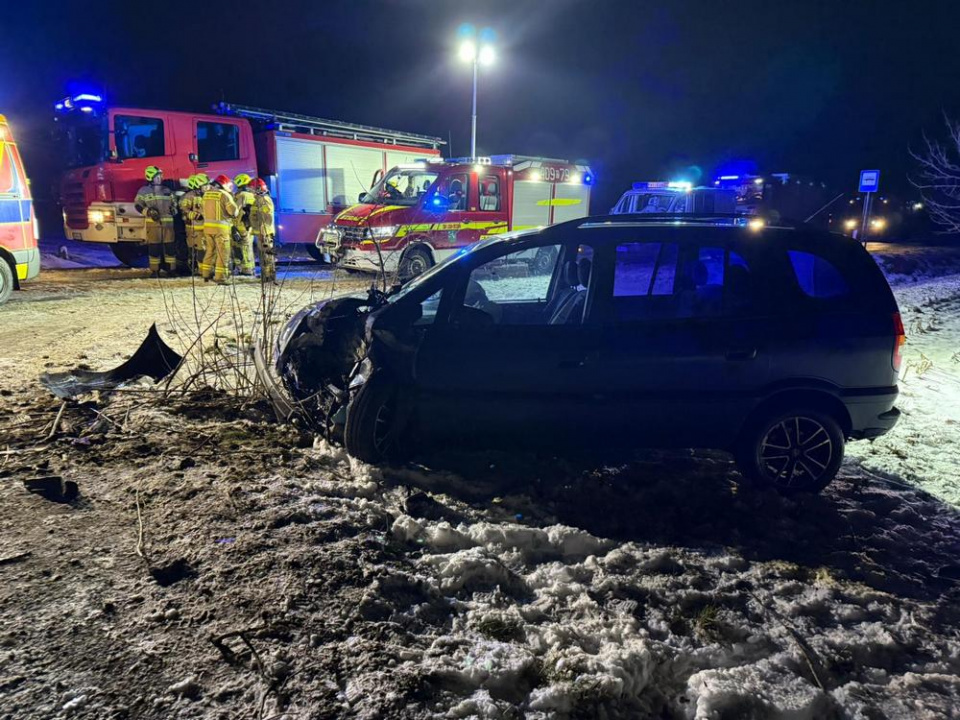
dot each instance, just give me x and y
(715, 219)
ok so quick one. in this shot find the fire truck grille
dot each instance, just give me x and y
(74, 206)
(350, 234)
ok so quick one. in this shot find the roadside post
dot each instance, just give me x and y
(869, 183)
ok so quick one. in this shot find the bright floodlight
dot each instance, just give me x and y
(468, 51)
(486, 55)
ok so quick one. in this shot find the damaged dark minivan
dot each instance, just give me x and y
(777, 344)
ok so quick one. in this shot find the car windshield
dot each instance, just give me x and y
(455, 257)
(83, 139)
(401, 186)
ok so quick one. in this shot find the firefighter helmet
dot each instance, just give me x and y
(258, 186)
(192, 182)
(223, 181)
(151, 172)
(201, 180)
(241, 180)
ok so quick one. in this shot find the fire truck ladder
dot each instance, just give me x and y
(291, 122)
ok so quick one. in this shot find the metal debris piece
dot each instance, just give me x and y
(154, 358)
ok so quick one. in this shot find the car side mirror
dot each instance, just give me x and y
(360, 197)
(192, 157)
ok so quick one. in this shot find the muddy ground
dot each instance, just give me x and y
(215, 564)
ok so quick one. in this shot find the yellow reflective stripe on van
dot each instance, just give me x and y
(22, 269)
(560, 201)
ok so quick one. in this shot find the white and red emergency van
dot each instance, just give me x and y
(313, 167)
(19, 255)
(419, 213)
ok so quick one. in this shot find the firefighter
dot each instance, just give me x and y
(219, 211)
(262, 223)
(191, 208)
(243, 249)
(156, 202)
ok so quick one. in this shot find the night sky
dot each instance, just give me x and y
(643, 90)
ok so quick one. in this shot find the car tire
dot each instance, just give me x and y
(797, 450)
(372, 420)
(415, 261)
(131, 254)
(7, 282)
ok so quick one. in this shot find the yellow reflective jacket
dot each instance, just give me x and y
(219, 210)
(244, 200)
(156, 202)
(261, 215)
(191, 207)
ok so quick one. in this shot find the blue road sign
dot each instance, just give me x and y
(869, 180)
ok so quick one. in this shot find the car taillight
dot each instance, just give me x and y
(899, 341)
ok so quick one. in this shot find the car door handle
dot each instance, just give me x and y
(742, 354)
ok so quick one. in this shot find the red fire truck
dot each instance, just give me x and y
(314, 167)
(419, 213)
(19, 256)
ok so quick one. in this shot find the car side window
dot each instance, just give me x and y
(661, 280)
(515, 289)
(817, 277)
(644, 279)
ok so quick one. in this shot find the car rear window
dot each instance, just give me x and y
(817, 277)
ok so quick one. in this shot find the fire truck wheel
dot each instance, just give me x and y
(6, 281)
(416, 261)
(130, 254)
(544, 260)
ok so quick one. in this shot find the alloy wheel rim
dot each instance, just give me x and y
(382, 425)
(796, 452)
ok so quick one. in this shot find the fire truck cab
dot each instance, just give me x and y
(419, 213)
(19, 255)
(673, 198)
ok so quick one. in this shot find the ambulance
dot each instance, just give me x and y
(419, 213)
(19, 255)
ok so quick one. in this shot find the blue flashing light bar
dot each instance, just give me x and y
(729, 177)
(587, 179)
(88, 97)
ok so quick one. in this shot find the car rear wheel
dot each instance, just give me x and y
(372, 420)
(6, 281)
(416, 261)
(792, 451)
(130, 254)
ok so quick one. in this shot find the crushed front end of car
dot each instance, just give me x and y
(308, 370)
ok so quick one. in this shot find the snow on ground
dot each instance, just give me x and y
(923, 447)
(500, 586)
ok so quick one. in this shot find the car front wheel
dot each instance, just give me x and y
(6, 281)
(373, 420)
(792, 451)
